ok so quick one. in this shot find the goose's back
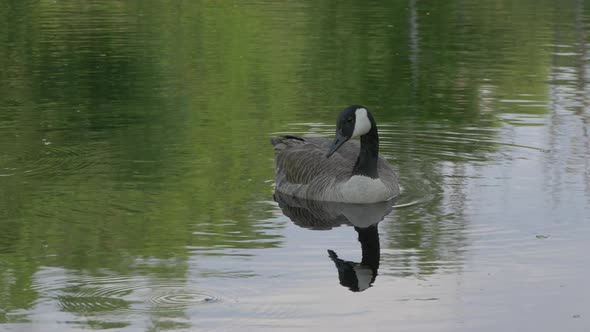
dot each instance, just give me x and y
(302, 169)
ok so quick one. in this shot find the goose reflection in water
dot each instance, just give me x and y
(318, 215)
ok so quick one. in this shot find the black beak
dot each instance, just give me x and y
(338, 141)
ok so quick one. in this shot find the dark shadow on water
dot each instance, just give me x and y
(317, 215)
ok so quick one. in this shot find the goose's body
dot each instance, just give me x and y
(336, 170)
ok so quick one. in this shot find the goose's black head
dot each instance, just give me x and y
(353, 121)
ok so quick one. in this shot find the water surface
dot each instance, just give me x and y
(136, 176)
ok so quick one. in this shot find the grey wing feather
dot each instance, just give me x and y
(302, 169)
(388, 176)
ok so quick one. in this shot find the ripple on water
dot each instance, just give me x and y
(51, 159)
(120, 295)
(415, 191)
(471, 145)
(174, 297)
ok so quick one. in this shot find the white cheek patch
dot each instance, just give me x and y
(362, 125)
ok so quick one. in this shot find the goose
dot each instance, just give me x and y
(339, 170)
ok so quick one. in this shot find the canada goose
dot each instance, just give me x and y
(340, 170)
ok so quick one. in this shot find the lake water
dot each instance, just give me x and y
(136, 173)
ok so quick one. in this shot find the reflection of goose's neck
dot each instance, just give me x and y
(360, 276)
(371, 249)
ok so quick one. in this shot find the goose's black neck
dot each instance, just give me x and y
(366, 163)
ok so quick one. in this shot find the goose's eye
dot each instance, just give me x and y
(349, 120)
